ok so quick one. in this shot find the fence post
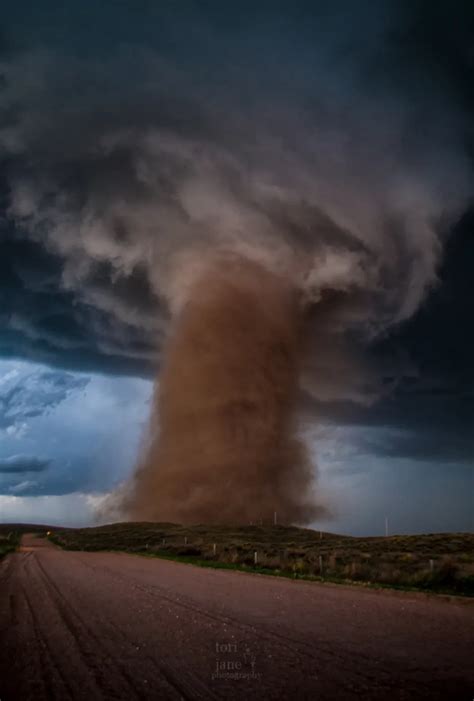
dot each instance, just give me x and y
(431, 565)
(255, 558)
(214, 547)
(321, 565)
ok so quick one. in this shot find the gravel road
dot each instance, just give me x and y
(78, 625)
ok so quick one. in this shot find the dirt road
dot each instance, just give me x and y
(92, 626)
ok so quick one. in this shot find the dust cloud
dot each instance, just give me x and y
(222, 443)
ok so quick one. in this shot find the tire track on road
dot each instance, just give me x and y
(184, 689)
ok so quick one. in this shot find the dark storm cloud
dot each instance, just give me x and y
(23, 463)
(333, 143)
(31, 476)
(42, 322)
(426, 445)
(427, 409)
(426, 425)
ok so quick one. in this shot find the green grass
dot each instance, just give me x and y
(442, 563)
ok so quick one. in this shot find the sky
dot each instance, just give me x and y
(330, 142)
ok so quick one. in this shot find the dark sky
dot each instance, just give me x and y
(334, 138)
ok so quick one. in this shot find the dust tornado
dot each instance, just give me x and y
(222, 444)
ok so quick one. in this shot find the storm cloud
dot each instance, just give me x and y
(331, 147)
(127, 173)
(23, 463)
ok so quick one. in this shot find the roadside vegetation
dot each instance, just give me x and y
(9, 540)
(441, 563)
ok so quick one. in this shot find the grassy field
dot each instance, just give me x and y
(435, 562)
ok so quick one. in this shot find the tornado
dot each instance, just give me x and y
(222, 445)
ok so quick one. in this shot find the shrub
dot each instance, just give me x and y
(446, 572)
(189, 550)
